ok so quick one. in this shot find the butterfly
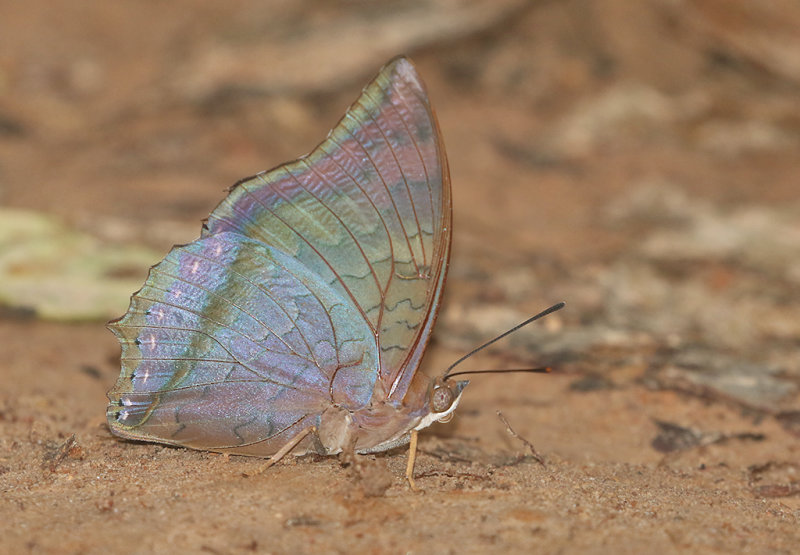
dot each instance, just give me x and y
(299, 318)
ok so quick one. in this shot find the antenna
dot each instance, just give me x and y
(542, 314)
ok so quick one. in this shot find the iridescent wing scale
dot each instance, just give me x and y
(311, 284)
(232, 344)
(369, 211)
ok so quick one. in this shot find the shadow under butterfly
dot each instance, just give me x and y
(298, 320)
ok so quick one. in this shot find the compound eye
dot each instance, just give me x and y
(441, 398)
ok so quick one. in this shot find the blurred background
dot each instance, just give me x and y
(638, 160)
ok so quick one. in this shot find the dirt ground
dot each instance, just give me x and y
(638, 160)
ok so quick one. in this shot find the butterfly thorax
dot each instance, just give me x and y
(385, 424)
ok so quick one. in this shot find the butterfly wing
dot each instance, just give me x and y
(232, 344)
(369, 212)
(314, 284)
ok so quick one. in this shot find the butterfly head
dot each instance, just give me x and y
(445, 393)
(444, 398)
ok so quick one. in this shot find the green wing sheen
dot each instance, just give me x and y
(369, 211)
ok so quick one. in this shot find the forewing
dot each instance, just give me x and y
(232, 344)
(368, 211)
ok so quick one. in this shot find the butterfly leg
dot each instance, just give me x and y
(283, 451)
(412, 458)
(348, 456)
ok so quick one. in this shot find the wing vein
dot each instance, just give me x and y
(335, 215)
(385, 185)
(307, 242)
(385, 227)
(419, 154)
(402, 173)
(236, 305)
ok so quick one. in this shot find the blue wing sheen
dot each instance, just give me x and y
(232, 342)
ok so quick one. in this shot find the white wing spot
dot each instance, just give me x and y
(195, 265)
(218, 249)
(160, 314)
(151, 341)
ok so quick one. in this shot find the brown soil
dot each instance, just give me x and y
(638, 160)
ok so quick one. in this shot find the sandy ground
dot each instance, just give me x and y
(638, 161)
